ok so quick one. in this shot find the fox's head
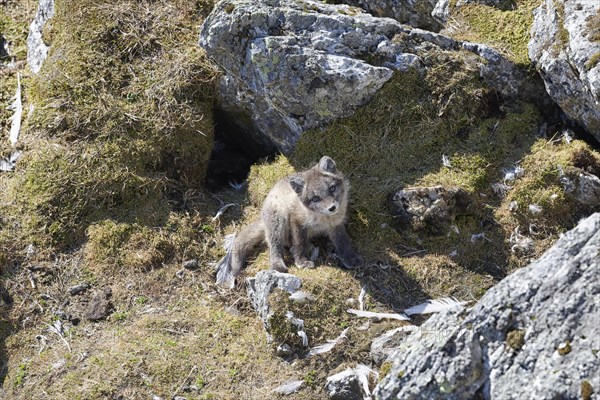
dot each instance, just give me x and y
(322, 188)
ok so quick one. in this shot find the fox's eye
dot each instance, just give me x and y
(315, 199)
(332, 188)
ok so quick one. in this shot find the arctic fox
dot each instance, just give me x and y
(298, 207)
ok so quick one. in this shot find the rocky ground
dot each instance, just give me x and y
(151, 130)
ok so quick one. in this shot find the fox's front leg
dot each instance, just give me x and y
(300, 247)
(343, 248)
(275, 234)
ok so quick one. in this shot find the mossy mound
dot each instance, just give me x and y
(122, 123)
(505, 27)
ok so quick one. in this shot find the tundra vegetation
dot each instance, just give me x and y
(109, 192)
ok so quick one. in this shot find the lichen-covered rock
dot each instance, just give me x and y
(415, 13)
(534, 335)
(261, 286)
(565, 48)
(430, 209)
(37, 51)
(291, 66)
(384, 346)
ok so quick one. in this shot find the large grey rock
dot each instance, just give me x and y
(415, 13)
(534, 335)
(37, 51)
(261, 286)
(565, 38)
(383, 347)
(295, 65)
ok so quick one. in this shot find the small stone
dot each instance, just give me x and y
(344, 386)
(100, 306)
(77, 289)
(190, 264)
(284, 350)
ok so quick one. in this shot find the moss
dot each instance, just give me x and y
(592, 26)
(593, 61)
(21, 374)
(562, 39)
(505, 28)
(564, 348)
(541, 185)
(586, 390)
(122, 120)
(515, 339)
(263, 176)
(385, 369)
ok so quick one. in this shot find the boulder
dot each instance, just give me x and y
(290, 66)
(261, 286)
(534, 335)
(565, 49)
(384, 346)
(430, 209)
(37, 50)
(415, 13)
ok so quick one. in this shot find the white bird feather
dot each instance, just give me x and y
(301, 297)
(15, 119)
(361, 297)
(289, 387)
(370, 314)
(434, 306)
(222, 210)
(326, 347)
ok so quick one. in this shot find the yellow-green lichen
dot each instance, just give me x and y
(586, 390)
(515, 339)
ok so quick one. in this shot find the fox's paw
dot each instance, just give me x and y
(279, 265)
(304, 263)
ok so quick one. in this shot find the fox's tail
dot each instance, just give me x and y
(237, 248)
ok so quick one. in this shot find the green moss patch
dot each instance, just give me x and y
(504, 28)
(122, 122)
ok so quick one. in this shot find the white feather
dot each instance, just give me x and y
(446, 161)
(224, 275)
(363, 372)
(361, 298)
(434, 306)
(298, 323)
(534, 209)
(369, 314)
(234, 185)
(304, 337)
(222, 210)
(289, 387)
(15, 119)
(477, 237)
(324, 348)
(301, 297)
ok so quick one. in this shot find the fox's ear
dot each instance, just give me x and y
(327, 164)
(297, 183)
